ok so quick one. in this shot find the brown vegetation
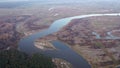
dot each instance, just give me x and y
(100, 53)
(9, 37)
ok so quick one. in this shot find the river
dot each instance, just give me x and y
(63, 51)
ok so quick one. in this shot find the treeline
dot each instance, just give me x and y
(16, 59)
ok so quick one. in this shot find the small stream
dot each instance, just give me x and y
(109, 36)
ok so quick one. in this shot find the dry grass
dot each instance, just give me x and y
(105, 22)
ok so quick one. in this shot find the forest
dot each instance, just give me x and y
(15, 59)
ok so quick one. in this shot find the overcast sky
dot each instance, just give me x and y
(12, 0)
(53, 0)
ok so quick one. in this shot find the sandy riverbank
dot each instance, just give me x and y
(44, 45)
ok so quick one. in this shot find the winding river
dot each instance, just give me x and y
(64, 52)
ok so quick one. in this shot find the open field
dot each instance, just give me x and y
(105, 23)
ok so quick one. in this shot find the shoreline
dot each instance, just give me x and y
(72, 47)
(82, 16)
(44, 45)
(60, 63)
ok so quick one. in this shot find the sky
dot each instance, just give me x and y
(38, 0)
(53, 0)
(12, 0)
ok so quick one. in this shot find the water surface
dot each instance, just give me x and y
(64, 52)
